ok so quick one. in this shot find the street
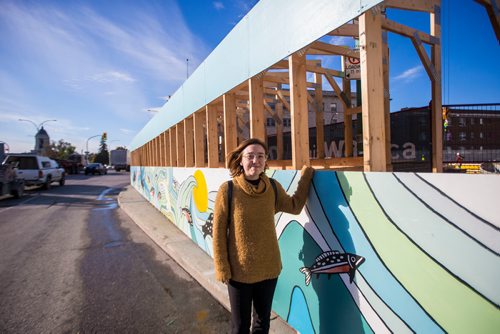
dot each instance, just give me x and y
(72, 261)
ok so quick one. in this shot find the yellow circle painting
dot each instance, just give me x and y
(200, 192)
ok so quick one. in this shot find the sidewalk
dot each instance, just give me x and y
(180, 248)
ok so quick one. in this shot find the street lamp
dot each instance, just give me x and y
(39, 126)
(87, 149)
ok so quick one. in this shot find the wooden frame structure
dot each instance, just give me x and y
(205, 137)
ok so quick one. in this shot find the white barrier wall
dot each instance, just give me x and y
(417, 252)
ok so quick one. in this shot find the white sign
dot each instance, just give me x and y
(352, 68)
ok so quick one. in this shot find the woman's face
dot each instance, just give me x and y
(253, 161)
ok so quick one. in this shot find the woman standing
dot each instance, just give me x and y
(246, 251)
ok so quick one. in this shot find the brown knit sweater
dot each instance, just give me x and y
(250, 252)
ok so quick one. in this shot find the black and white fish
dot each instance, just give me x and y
(333, 262)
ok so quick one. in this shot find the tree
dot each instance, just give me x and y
(61, 149)
(103, 155)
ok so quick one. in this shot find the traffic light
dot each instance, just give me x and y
(104, 136)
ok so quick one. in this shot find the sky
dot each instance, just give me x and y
(104, 66)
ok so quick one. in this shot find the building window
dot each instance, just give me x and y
(481, 135)
(287, 122)
(270, 121)
(462, 136)
(472, 135)
(472, 121)
(461, 121)
(481, 122)
(333, 107)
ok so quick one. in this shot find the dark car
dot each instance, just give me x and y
(95, 168)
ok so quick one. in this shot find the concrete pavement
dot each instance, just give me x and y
(178, 246)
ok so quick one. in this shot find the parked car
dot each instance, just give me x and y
(36, 170)
(95, 168)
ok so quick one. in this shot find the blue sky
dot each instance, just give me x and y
(98, 66)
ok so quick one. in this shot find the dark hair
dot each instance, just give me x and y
(234, 157)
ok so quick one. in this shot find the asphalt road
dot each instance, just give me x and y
(72, 262)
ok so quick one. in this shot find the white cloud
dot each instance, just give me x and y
(111, 76)
(410, 74)
(218, 5)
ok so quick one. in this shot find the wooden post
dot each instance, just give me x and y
(212, 140)
(348, 142)
(279, 130)
(298, 110)
(230, 130)
(387, 100)
(199, 138)
(372, 82)
(320, 116)
(157, 151)
(167, 147)
(257, 119)
(161, 148)
(189, 141)
(181, 147)
(173, 146)
(436, 104)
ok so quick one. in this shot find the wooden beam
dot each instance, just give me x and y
(279, 130)
(282, 78)
(283, 100)
(351, 30)
(230, 131)
(298, 111)
(330, 49)
(282, 64)
(199, 138)
(161, 149)
(173, 146)
(181, 147)
(353, 111)
(323, 70)
(343, 98)
(493, 9)
(310, 99)
(372, 83)
(320, 116)
(436, 104)
(188, 142)
(414, 5)
(257, 119)
(387, 101)
(166, 140)
(403, 30)
(212, 139)
(348, 138)
(155, 151)
(422, 53)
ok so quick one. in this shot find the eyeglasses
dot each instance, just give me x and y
(252, 156)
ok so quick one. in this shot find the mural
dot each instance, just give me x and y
(370, 252)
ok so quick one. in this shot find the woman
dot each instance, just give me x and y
(246, 251)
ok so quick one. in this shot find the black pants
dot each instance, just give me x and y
(241, 296)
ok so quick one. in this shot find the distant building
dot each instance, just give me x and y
(473, 130)
(42, 142)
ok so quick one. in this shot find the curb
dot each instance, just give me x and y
(181, 249)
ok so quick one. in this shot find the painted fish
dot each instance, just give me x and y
(333, 262)
(187, 214)
(207, 228)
